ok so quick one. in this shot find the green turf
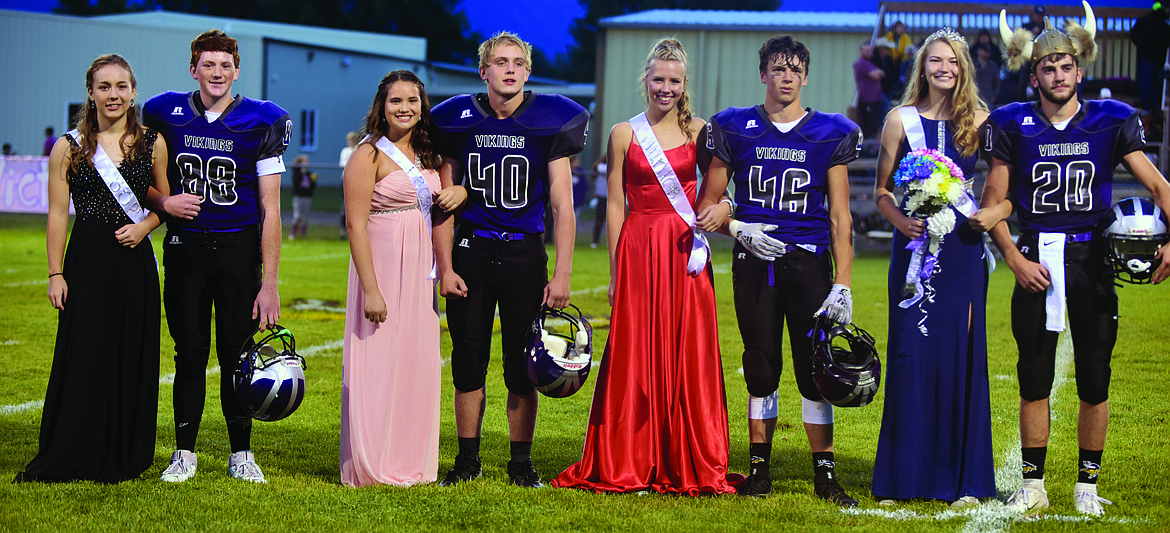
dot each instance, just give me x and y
(300, 454)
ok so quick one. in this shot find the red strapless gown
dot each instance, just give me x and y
(659, 415)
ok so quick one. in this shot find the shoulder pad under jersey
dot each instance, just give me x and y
(249, 114)
(1009, 117)
(742, 121)
(1104, 114)
(457, 113)
(171, 107)
(826, 127)
(551, 112)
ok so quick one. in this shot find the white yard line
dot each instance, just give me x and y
(167, 379)
(284, 259)
(25, 283)
(21, 407)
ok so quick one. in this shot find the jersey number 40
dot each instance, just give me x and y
(506, 186)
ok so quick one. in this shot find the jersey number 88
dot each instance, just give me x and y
(216, 181)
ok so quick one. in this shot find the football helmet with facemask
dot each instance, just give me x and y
(1135, 229)
(559, 356)
(270, 383)
(846, 367)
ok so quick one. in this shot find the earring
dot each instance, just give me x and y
(131, 103)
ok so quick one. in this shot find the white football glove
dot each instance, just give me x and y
(838, 306)
(755, 239)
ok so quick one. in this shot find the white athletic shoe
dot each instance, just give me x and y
(182, 467)
(1030, 496)
(1086, 500)
(242, 465)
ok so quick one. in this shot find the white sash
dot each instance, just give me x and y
(121, 190)
(1051, 255)
(916, 137)
(420, 186)
(700, 250)
(912, 125)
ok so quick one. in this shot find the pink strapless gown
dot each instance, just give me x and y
(390, 379)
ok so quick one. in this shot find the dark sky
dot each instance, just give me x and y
(545, 23)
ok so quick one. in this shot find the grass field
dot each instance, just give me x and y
(300, 454)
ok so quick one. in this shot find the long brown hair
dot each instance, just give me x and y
(671, 50)
(133, 142)
(964, 98)
(420, 135)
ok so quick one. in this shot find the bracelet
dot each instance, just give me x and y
(730, 203)
(56, 274)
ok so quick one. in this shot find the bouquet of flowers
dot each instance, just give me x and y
(933, 183)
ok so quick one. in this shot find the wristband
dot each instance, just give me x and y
(730, 203)
(56, 274)
(733, 226)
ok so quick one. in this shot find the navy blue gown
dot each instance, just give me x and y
(935, 440)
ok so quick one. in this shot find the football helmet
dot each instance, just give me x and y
(269, 383)
(558, 363)
(1135, 230)
(846, 368)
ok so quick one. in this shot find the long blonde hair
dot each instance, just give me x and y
(133, 143)
(964, 99)
(671, 50)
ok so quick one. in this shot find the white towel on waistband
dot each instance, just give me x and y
(1051, 246)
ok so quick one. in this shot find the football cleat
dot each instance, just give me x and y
(242, 465)
(182, 467)
(758, 484)
(270, 385)
(465, 469)
(1086, 500)
(523, 474)
(832, 492)
(1031, 496)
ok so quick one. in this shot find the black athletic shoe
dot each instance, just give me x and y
(522, 474)
(831, 491)
(758, 484)
(465, 469)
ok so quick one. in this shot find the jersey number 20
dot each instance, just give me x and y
(1056, 191)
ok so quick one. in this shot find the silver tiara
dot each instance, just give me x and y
(948, 32)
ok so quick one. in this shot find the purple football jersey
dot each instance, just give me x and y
(217, 160)
(505, 161)
(1062, 181)
(782, 178)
